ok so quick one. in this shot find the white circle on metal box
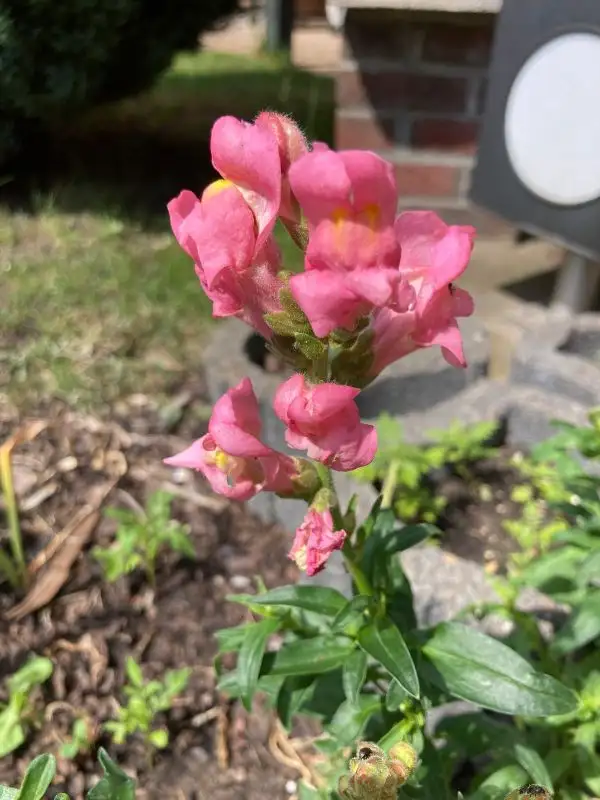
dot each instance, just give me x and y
(552, 121)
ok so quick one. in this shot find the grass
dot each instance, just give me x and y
(96, 299)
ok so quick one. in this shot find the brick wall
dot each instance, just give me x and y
(411, 86)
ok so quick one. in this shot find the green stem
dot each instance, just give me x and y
(360, 579)
(389, 485)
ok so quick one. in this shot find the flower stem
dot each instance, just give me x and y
(358, 576)
(389, 485)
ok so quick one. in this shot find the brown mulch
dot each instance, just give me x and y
(216, 750)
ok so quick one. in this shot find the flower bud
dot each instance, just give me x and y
(530, 792)
(375, 776)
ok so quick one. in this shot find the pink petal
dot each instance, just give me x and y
(357, 453)
(225, 233)
(238, 407)
(450, 340)
(248, 156)
(190, 458)
(180, 209)
(328, 400)
(286, 393)
(373, 183)
(327, 299)
(321, 184)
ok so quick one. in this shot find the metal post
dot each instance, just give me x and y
(280, 22)
(573, 285)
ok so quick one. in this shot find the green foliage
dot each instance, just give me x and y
(115, 785)
(363, 669)
(140, 538)
(20, 713)
(80, 741)
(59, 58)
(145, 700)
(559, 533)
(406, 468)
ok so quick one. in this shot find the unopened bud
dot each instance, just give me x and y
(376, 776)
(403, 760)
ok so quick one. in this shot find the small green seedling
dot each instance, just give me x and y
(80, 741)
(140, 538)
(114, 785)
(19, 713)
(144, 702)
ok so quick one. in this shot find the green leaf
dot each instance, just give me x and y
(395, 734)
(533, 764)
(40, 774)
(590, 569)
(159, 738)
(251, 656)
(6, 793)
(354, 674)
(34, 672)
(319, 599)
(294, 691)
(475, 667)
(134, 672)
(351, 618)
(500, 783)
(583, 626)
(386, 542)
(12, 734)
(231, 639)
(350, 719)
(115, 785)
(396, 695)
(309, 656)
(382, 640)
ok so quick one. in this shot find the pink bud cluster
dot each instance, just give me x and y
(375, 287)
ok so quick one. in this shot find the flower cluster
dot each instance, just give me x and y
(376, 285)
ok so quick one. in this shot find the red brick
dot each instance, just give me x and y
(427, 180)
(400, 90)
(369, 133)
(453, 135)
(468, 45)
(373, 34)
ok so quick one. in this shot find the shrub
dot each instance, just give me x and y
(57, 58)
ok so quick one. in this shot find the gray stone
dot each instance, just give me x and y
(531, 412)
(557, 373)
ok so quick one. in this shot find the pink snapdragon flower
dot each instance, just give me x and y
(315, 541)
(231, 456)
(323, 420)
(433, 256)
(349, 199)
(248, 156)
(218, 233)
(291, 145)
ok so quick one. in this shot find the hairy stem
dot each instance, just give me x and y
(389, 485)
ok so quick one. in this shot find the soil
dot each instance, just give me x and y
(90, 627)
(216, 750)
(477, 507)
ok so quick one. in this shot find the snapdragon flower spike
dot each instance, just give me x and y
(433, 256)
(219, 233)
(323, 419)
(315, 541)
(231, 456)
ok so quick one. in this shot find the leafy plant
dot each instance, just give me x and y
(140, 538)
(404, 469)
(559, 533)
(144, 702)
(80, 741)
(362, 667)
(19, 713)
(115, 785)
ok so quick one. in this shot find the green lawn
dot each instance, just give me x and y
(96, 299)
